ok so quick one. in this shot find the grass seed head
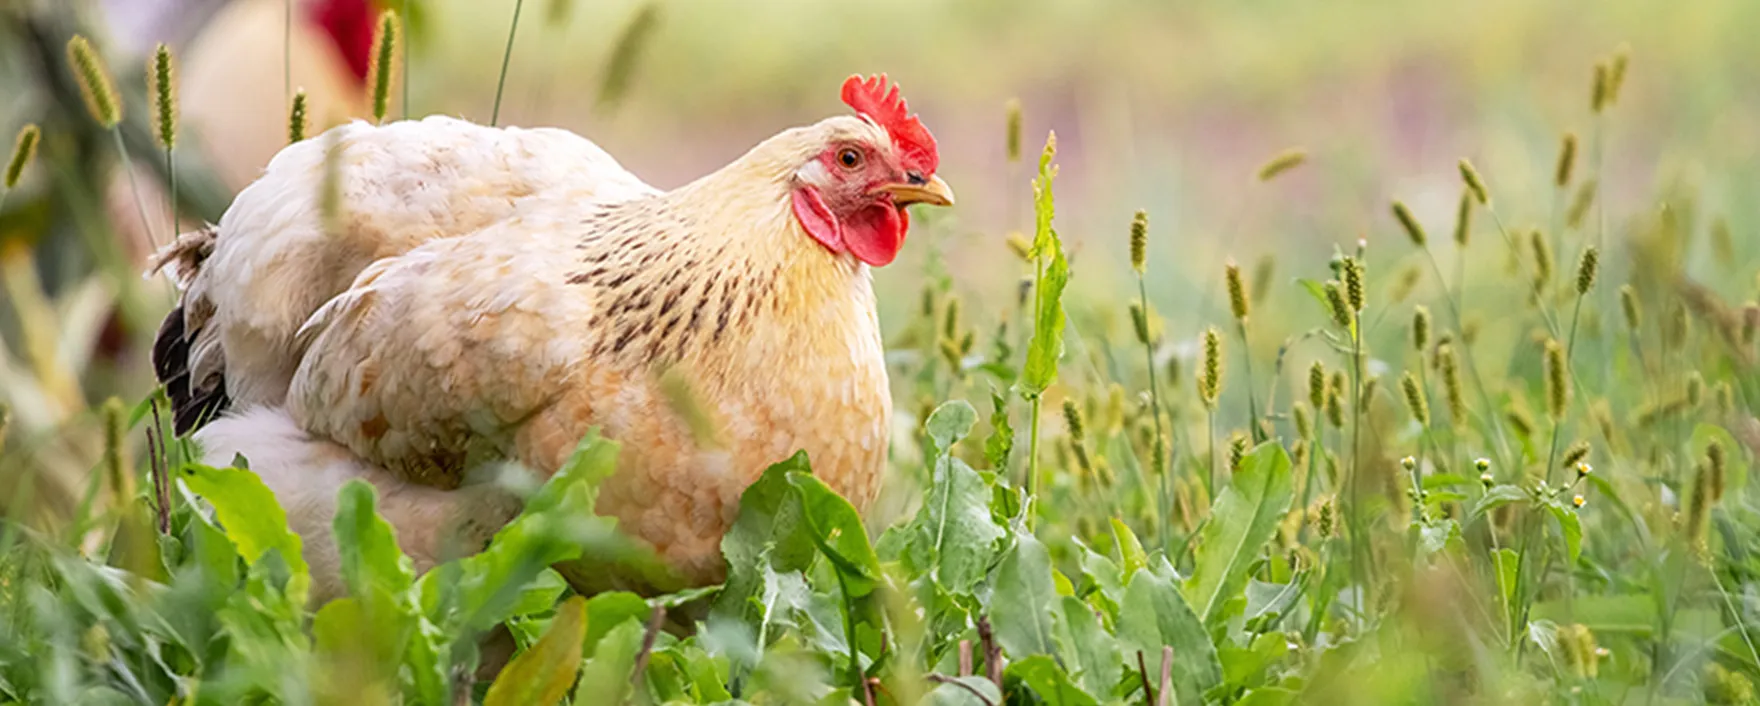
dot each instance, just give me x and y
(296, 118)
(1237, 450)
(1140, 241)
(1420, 328)
(1699, 505)
(1567, 160)
(1282, 162)
(1354, 285)
(119, 476)
(1598, 92)
(1674, 334)
(1725, 397)
(1580, 205)
(1750, 321)
(1299, 413)
(1474, 182)
(162, 86)
(330, 196)
(1237, 292)
(1542, 251)
(1336, 302)
(1317, 384)
(1616, 73)
(1072, 418)
(1586, 269)
(24, 148)
(1574, 454)
(1327, 522)
(1695, 389)
(95, 85)
(1463, 219)
(1012, 134)
(1410, 223)
(1558, 390)
(384, 63)
(950, 319)
(1717, 465)
(1262, 273)
(1630, 307)
(1416, 403)
(1449, 368)
(1210, 377)
(1335, 401)
(1140, 322)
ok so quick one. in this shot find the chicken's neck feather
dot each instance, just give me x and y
(722, 258)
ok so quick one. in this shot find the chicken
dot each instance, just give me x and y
(492, 294)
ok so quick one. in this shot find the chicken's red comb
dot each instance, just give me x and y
(878, 99)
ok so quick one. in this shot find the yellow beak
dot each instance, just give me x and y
(935, 192)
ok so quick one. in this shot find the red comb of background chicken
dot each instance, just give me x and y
(349, 23)
(878, 99)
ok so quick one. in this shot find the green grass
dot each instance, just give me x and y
(1545, 499)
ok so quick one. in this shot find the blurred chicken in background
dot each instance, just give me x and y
(236, 59)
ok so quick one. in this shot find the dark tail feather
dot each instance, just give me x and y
(193, 402)
(192, 405)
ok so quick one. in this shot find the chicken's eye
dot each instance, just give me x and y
(849, 158)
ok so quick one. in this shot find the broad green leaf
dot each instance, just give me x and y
(1508, 565)
(1496, 496)
(1266, 598)
(1268, 696)
(969, 691)
(953, 535)
(708, 675)
(1044, 201)
(1046, 346)
(1104, 575)
(609, 610)
(1446, 480)
(346, 650)
(555, 526)
(605, 679)
(1041, 674)
(251, 518)
(1632, 614)
(1154, 615)
(769, 524)
(1001, 441)
(1544, 634)
(949, 423)
(542, 675)
(1570, 527)
(1024, 604)
(1131, 556)
(540, 594)
(366, 544)
(1244, 518)
(1244, 667)
(1433, 537)
(837, 530)
(1087, 649)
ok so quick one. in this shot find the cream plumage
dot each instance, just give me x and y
(488, 294)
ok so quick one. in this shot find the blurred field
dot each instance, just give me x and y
(1167, 107)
